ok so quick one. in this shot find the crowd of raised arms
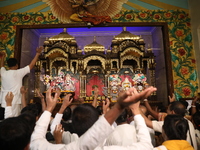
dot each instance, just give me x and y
(128, 124)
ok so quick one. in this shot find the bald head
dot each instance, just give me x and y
(178, 108)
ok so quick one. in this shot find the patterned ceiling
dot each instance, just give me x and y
(39, 6)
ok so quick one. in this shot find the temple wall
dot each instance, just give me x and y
(29, 45)
(160, 75)
(195, 26)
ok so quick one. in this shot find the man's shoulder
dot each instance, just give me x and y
(25, 68)
(3, 69)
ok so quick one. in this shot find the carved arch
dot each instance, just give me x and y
(101, 59)
(130, 57)
(59, 59)
(132, 49)
(56, 50)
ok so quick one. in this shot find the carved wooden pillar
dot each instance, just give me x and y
(82, 85)
(37, 76)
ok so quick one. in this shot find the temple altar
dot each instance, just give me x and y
(126, 63)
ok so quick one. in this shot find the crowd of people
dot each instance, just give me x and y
(129, 124)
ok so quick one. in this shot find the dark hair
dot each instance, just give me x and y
(161, 107)
(185, 103)
(34, 108)
(12, 62)
(198, 106)
(67, 114)
(83, 117)
(16, 132)
(178, 108)
(100, 109)
(2, 111)
(122, 117)
(175, 127)
(196, 119)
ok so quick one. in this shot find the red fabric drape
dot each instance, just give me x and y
(94, 80)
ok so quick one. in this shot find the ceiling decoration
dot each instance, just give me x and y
(39, 6)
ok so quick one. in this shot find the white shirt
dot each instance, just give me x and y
(123, 135)
(151, 132)
(88, 141)
(197, 133)
(67, 137)
(8, 112)
(11, 81)
(143, 138)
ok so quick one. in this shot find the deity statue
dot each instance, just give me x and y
(92, 11)
(126, 84)
(139, 82)
(114, 87)
(69, 83)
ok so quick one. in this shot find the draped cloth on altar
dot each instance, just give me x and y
(94, 80)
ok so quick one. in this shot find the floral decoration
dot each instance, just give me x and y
(62, 81)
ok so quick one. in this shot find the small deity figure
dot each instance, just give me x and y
(115, 86)
(95, 90)
(69, 83)
(139, 82)
(126, 84)
(53, 84)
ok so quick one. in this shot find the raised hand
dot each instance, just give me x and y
(41, 96)
(66, 102)
(39, 49)
(132, 96)
(9, 98)
(23, 90)
(58, 134)
(51, 101)
(172, 99)
(58, 91)
(125, 99)
(106, 104)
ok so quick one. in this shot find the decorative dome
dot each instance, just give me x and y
(125, 35)
(63, 36)
(94, 46)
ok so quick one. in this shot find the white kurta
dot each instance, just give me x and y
(11, 81)
(67, 137)
(123, 135)
(142, 134)
(88, 141)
